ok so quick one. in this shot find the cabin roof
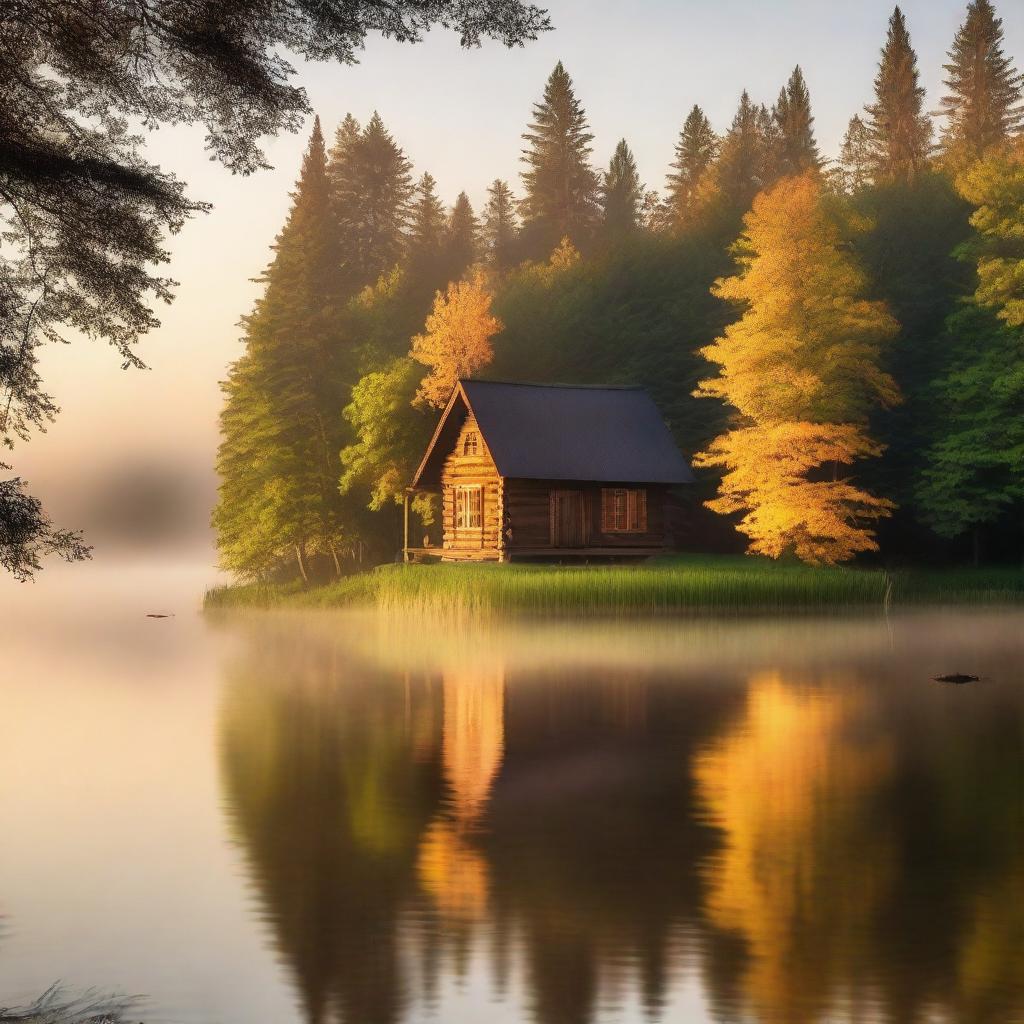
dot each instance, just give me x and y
(561, 432)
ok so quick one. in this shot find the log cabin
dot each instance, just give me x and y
(531, 471)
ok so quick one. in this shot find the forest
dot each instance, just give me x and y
(837, 344)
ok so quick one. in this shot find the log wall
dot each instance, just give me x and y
(485, 542)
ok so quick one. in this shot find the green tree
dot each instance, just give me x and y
(622, 194)
(983, 107)
(389, 434)
(560, 185)
(280, 432)
(900, 129)
(974, 472)
(500, 227)
(799, 151)
(372, 189)
(695, 152)
(462, 239)
(739, 173)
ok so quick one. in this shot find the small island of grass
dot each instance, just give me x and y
(718, 584)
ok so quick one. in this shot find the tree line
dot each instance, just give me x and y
(857, 324)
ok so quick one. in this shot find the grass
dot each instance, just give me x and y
(52, 1007)
(711, 583)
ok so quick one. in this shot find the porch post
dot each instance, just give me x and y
(405, 526)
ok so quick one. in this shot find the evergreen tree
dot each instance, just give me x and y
(426, 235)
(462, 238)
(695, 152)
(900, 130)
(280, 428)
(856, 158)
(372, 188)
(801, 367)
(500, 226)
(560, 186)
(771, 163)
(622, 194)
(741, 163)
(984, 105)
(799, 151)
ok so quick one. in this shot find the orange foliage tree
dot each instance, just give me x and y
(456, 341)
(802, 369)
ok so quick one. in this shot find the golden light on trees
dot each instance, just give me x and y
(456, 341)
(802, 368)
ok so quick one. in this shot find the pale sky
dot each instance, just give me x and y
(637, 68)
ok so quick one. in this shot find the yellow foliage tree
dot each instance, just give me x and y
(995, 185)
(802, 369)
(456, 341)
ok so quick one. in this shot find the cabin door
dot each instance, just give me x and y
(568, 519)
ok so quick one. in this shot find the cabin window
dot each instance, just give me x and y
(469, 507)
(623, 510)
(471, 444)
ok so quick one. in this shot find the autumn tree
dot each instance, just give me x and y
(995, 187)
(900, 129)
(500, 226)
(622, 194)
(456, 341)
(695, 152)
(983, 106)
(560, 185)
(799, 151)
(801, 369)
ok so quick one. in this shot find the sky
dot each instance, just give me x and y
(131, 455)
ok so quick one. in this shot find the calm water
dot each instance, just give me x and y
(331, 818)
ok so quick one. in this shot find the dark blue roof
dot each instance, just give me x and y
(562, 432)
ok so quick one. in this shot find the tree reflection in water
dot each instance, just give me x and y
(802, 846)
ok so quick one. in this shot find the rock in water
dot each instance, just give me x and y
(956, 677)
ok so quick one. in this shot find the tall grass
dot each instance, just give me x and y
(718, 584)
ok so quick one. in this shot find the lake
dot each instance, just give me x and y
(336, 817)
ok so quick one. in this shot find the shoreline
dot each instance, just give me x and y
(694, 585)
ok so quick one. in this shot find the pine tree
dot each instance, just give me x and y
(771, 147)
(900, 130)
(799, 151)
(560, 185)
(984, 105)
(500, 227)
(372, 188)
(696, 151)
(462, 238)
(456, 341)
(280, 429)
(801, 367)
(425, 239)
(622, 194)
(857, 157)
(741, 163)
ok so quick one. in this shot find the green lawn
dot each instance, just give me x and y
(712, 583)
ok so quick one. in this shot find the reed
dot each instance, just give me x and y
(713, 584)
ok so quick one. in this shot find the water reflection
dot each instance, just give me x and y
(733, 834)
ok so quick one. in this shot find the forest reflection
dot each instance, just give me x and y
(800, 844)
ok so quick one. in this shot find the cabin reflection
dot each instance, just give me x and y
(595, 839)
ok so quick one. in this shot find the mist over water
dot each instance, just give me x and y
(340, 817)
